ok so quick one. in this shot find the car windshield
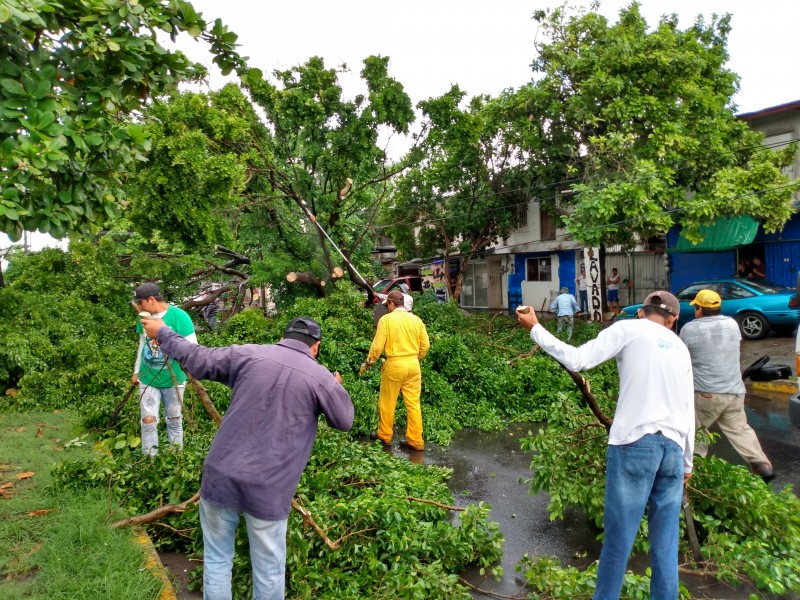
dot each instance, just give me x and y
(382, 285)
(764, 287)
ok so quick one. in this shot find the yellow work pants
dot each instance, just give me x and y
(401, 374)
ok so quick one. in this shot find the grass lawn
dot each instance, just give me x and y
(59, 547)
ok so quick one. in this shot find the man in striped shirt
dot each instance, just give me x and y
(713, 341)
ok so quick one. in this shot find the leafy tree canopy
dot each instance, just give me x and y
(637, 125)
(72, 75)
(232, 166)
(465, 192)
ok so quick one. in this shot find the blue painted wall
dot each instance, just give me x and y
(688, 267)
(515, 280)
(566, 274)
(566, 270)
(790, 232)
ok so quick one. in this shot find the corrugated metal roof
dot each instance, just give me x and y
(725, 234)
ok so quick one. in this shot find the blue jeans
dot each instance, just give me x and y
(150, 399)
(584, 296)
(267, 552)
(647, 473)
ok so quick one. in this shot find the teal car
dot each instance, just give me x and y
(758, 306)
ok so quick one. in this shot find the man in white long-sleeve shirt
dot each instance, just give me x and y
(651, 440)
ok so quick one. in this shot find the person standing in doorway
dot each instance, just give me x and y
(583, 292)
(160, 378)
(402, 336)
(757, 270)
(742, 269)
(650, 444)
(262, 445)
(613, 290)
(713, 341)
(565, 308)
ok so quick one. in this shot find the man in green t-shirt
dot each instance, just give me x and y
(160, 378)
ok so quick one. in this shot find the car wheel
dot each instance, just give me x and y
(753, 325)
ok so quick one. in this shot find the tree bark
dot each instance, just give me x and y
(583, 386)
(309, 279)
(202, 393)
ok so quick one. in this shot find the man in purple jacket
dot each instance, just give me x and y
(262, 446)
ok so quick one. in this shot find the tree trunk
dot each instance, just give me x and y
(603, 290)
(309, 279)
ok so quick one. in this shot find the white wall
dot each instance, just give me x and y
(535, 293)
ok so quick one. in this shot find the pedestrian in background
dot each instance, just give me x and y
(565, 307)
(612, 283)
(742, 269)
(211, 309)
(651, 440)
(408, 299)
(583, 292)
(262, 445)
(160, 378)
(713, 341)
(402, 336)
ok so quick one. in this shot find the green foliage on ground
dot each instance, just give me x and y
(72, 345)
(549, 580)
(391, 546)
(59, 546)
(747, 531)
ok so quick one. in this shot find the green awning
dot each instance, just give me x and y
(725, 234)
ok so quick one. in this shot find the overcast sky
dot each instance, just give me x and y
(485, 46)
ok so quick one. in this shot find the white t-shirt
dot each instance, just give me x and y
(613, 282)
(656, 392)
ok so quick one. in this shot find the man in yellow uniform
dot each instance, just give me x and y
(403, 338)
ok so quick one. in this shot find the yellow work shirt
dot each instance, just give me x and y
(399, 334)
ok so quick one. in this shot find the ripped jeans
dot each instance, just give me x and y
(150, 399)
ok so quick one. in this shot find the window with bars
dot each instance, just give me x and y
(522, 216)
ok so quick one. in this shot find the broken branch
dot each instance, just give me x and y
(154, 515)
(308, 519)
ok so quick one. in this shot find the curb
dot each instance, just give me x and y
(782, 386)
(154, 565)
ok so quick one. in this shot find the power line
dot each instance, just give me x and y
(555, 238)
